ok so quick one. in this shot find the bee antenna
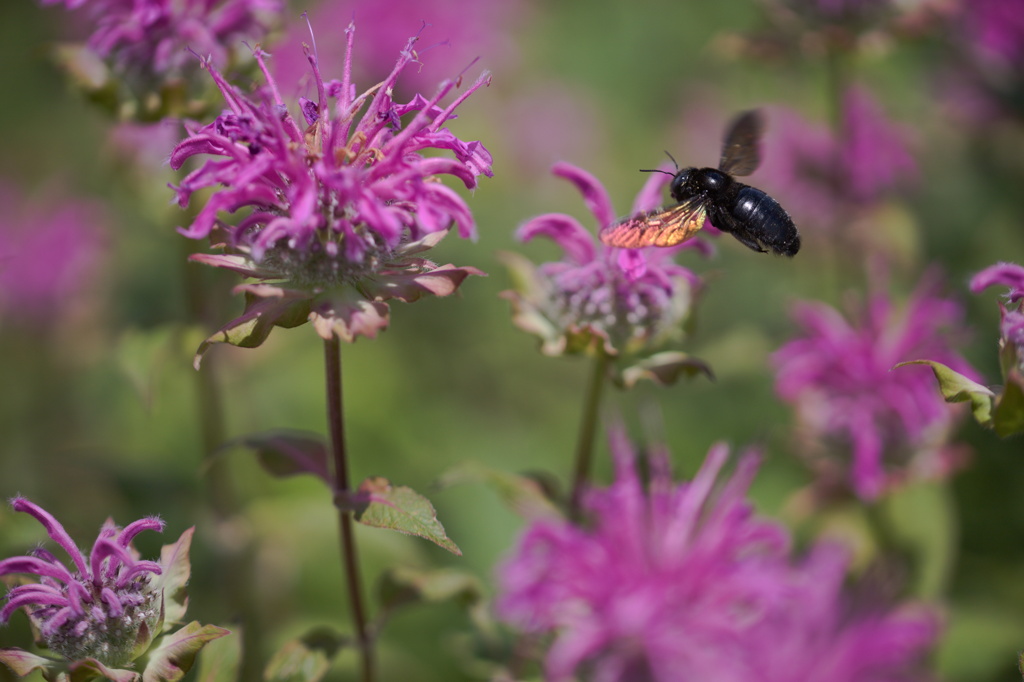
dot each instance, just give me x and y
(655, 170)
(674, 162)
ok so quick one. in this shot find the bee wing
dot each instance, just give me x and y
(660, 227)
(741, 150)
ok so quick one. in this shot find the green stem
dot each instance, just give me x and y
(588, 429)
(342, 490)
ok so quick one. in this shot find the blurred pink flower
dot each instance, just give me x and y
(156, 38)
(683, 581)
(453, 34)
(868, 427)
(995, 29)
(820, 176)
(48, 256)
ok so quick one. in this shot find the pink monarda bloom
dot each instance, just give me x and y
(155, 39)
(48, 257)
(102, 606)
(671, 582)
(864, 427)
(332, 210)
(624, 301)
(821, 176)
(1011, 327)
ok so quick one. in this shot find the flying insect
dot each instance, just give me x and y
(745, 212)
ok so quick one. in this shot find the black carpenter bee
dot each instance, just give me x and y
(745, 212)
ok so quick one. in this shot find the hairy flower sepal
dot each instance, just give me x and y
(110, 612)
(345, 310)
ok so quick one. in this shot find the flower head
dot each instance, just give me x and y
(821, 175)
(149, 45)
(875, 427)
(1009, 275)
(333, 207)
(682, 581)
(624, 301)
(102, 606)
(48, 255)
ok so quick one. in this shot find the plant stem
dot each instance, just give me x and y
(588, 427)
(342, 490)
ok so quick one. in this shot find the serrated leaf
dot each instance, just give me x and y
(176, 653)
(177, 568)
(956, 388)
(403, 509)
(22, 662)
(306, 659)
(1008, 415)
(664, 369)
(524, 495)
(220, 660)
(90, 668)
(288, 453)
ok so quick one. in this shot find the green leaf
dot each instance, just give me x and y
(306, 659)
(220, 660)
(22, 662)
(176, 652)
(956, 388)
(1008, 416)
(524, 495)
(664, 369)
(403, 509)
(177, 568)
(284, 453)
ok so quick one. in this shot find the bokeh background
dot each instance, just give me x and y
(98, 400)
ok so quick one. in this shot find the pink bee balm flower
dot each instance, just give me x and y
(624, 300)
(48, 255)
(871, 427)
(820, 175)
(153, 38)
(683, 581)
(102, 606)
(330, 211)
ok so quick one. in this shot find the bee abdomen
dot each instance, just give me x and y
(766, 221)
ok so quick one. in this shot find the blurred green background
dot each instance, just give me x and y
(99, 417)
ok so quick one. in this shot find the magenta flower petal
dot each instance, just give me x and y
(595, 197)
(576, 241)
(1008, 275)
